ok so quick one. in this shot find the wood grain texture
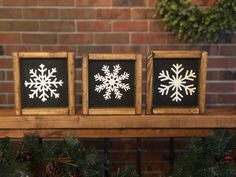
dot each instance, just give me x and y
(107, 133)
(112, 57)
(202, 83)
(177, 54)
(215, 118)
(42, 55)
(45, 111)
(112, 111)
(85, 100)
(149, 83)
(138, 84)
(71, 83)
(176, 110)
(17, 89)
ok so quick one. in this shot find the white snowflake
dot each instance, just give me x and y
(112, 82)
(41, 83)
(177, 82)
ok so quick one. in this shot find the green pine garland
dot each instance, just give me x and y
(193, 24)
(68, 158)
(205, 158)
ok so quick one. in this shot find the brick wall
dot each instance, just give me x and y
(107, 26)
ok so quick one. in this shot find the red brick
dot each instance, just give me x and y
(130, 26)
(6, 87)
(148, 38)
(219, 87)
(221, 75)
(166, 47)
(228, 50)
(114, 38)
(94, 26)
(130, 49)
(40, 13)
(10, 13)
(19, 2)
(221, 62)
(152, 3)
(3, 99)
(19, 26)
(20, 48)
(2, 75)
(59, 48)
(9, 75)
(39, 38)
(220, 99)
(57, 26)
(129, 3)
(93, 3)
(78, 13)
(9, 38)
(203, 2)
(57, 2)
(75, 38)
(147, 13)
(6, 63)
(113, 13)
(83, 50)
(156, 26)
(211, 49)
(10, 99)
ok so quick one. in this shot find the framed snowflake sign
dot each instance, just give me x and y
(176, 82)
(112, 84)
(44, 83)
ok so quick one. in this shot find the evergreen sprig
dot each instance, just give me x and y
(193, 24)
(204, 157)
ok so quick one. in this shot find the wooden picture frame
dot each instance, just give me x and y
(88, 61)
(27, 60)
(170, 56)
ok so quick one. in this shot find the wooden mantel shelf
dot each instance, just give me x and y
(116, 126)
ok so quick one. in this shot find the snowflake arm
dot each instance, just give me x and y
(41, 83)
(177, 82)
(112, 82)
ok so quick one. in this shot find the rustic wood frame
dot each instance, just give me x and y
(200, 109)
(70, 110)
(138, 84)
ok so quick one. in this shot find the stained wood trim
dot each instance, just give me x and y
(138, 84)
(111, 111)
(198, 55)
(107, 133)
(112, 57)
(149, 83)
(17, 90)
(42, 55)
(213, 118)
(85, 99)
(45, 111)
(177, 54)
(71, 83)
(202, 82)
(176, 110)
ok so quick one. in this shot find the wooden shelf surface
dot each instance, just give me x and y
(116, 126)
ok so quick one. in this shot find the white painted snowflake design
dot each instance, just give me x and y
(112, 82)
(177, 82)
(43, 83)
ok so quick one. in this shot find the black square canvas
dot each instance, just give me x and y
(111, 83)
(175, 82)
(44, 82)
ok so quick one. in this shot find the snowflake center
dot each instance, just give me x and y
(177, 82)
